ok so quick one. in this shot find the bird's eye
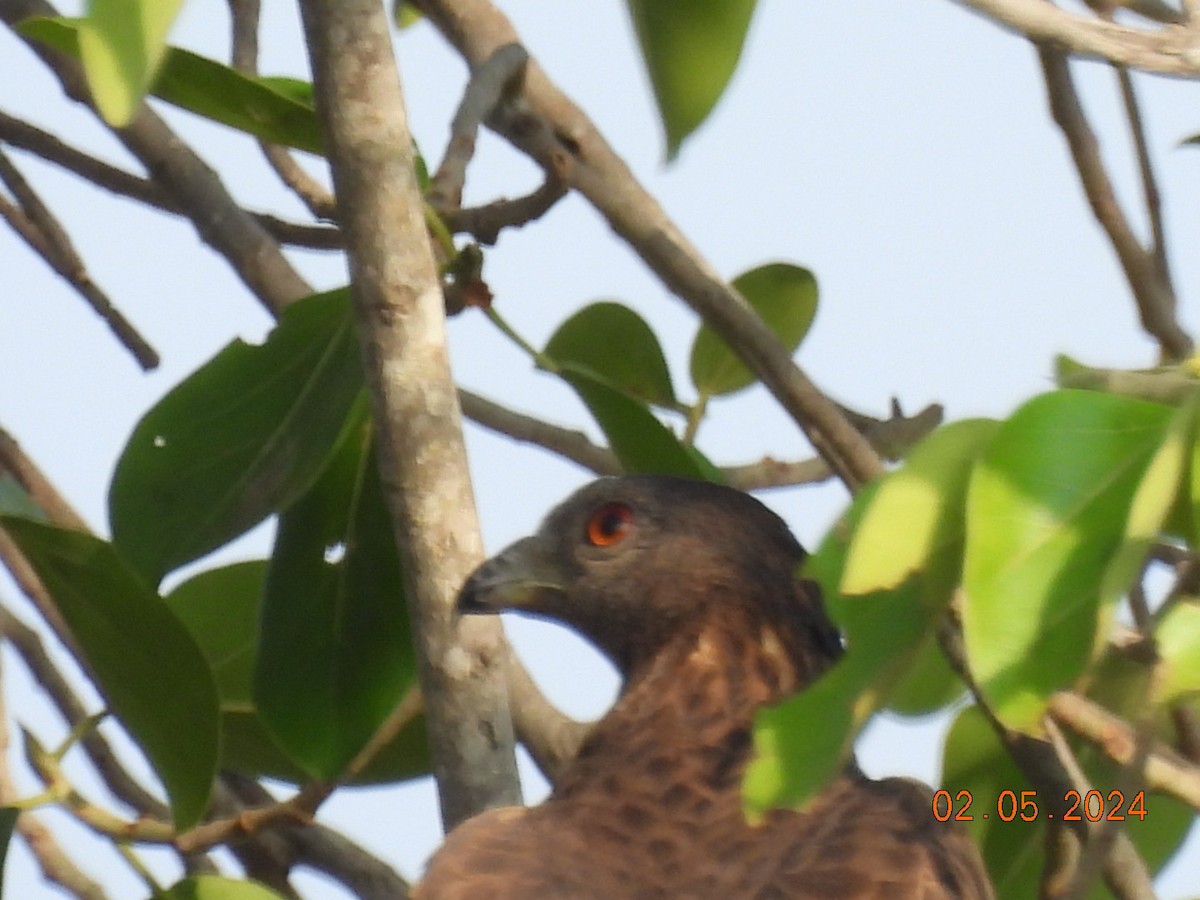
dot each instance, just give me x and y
(609, 524)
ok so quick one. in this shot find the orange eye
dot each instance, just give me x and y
(609, 524)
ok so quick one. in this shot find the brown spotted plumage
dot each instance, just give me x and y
(690, 589)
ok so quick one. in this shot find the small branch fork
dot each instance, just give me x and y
(1145, 268)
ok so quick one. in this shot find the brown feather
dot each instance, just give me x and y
(699, 607)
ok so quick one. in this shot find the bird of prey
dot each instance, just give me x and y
(690, 589)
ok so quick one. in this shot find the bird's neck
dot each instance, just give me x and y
(696, 699)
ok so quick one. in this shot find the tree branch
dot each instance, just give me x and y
(1172, 50)
(42, 231)
(547, 126)
(187, 179)
(400, 313)
(1154, 297)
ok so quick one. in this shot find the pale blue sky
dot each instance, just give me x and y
(901, 150)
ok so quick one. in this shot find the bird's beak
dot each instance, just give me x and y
(515, 579)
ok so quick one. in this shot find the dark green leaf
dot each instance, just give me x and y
(121, 44)
(1047, 511)
(335, 657)
(8, 821)
(221, 608)
(146, 664)
(691, 52)
(616, 345)
(214, 887)
(238, 440)
(273, 109)
(785, 296)
(15, 500)
(640, 441)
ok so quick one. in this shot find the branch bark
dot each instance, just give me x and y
(547, 126)
(254, 255)
(1153, 295)
(399, 309)
(1173, 50)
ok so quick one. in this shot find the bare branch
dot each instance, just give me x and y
(191, 183)
(1172, 50)
(551, 738)
(554, 132)
(490, 81)
(118, 181)
(56, 866)
(1150, 193)
(1154, 297)
(33, 654)
(485, 223)
(43, 232)
(1163, 770)
(401, 320)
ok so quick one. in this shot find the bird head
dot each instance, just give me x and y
(630, 561)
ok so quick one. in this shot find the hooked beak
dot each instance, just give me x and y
(518, 578)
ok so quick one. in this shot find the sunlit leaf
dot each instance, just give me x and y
(883, 633)
(614, 343)
(335, 655)
(215, 887)
(145, 662)
(121, 44)
(1046, 512)
(237, 440)
(785, 296)
(916, 520)
(691, 53)
(1178, 639)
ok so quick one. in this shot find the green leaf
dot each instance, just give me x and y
(785, 296)
(1178, 640)
(916, 520)
(15, 500)
(8, 821)
(121, 44)
(691, 53)
(640, 441)
(214, 887)
(335, 656)
(237, 440)
(929, 683)
(616, 345)
(883, 632)
(974, 761)
(146, 664)
(220, 609)
(1046, 513)
(278, 110)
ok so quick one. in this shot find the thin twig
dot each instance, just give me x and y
(56, 866)
(46, 235)
(1162, 770)
(1150, 193)
(244, 15)
(547, 126)
(1040, 763)
(254, 255)
(1169, 51)
(1154, 298)
(33, 654)
(490, 81)
(485, 223)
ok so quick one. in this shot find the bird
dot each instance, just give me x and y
(691, 590)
